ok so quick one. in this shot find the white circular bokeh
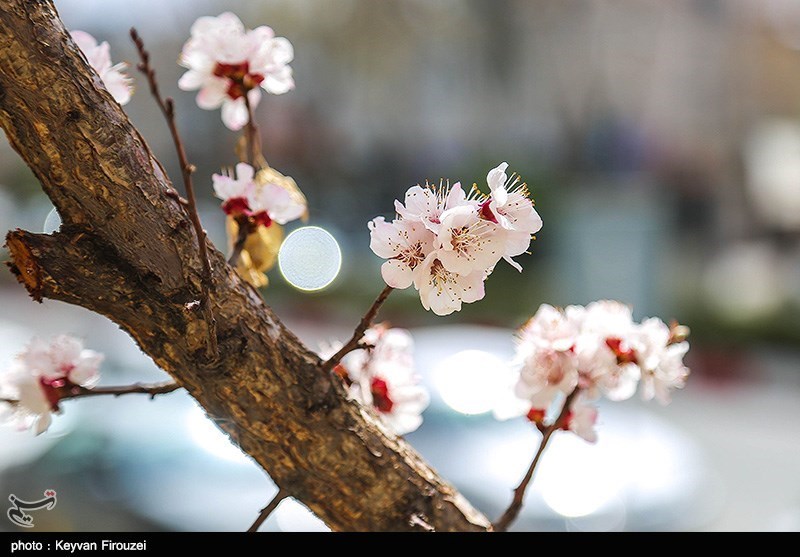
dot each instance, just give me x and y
(310, 258)
(52, 222)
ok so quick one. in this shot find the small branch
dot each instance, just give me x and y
(355, 341)
(502, 524)
(167, 107)
(76, 391)
(266, 511)
(151, 390)
(246, 228)
(252, 135)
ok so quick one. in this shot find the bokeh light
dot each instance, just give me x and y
(310, 258)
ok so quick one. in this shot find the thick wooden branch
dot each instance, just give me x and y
(127, 250)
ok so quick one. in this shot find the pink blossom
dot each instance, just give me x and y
(443, 291)
(598, 349)
(116, 82)
(660, 360)
(509, 205)
(546, 357)
(426, 205)
(44, 373)
(382, 377)
(581, 420)
(227, 62)
(446, 242)
(404, 244)
(265, 203)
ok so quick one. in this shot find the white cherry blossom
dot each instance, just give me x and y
(546, 357)
(404, 244)
(467, 242)
(660, 360)
(227, 62)
(241, 195)
(42, 374)
(443, 291)
(383, 378)
(116, 82)
(581, 420)
(426, 204)
(509, 205)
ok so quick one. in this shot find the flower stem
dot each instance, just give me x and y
(75, 391)
(167, 107)
(512, 512)
(246, 228)
(266, 511)
(355, 341)
(253, 136)
(137, 388)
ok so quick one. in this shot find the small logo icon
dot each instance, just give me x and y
(17, 515)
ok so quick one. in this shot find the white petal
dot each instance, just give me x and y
(87, 369)
(192, 80)
(396, 274)
(513, 263)
(384, 238)
(43, 422)
(282, 51)
(118, 84)
(497, 178)
(84, 40)
(212, 95)
(244, 172)
(234, 113)
(278, 82)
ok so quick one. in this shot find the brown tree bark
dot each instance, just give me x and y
(126, 250)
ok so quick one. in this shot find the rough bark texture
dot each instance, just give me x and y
(126, 250)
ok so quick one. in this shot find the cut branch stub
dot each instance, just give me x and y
(127, 251)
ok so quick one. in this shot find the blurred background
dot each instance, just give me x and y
(661, 141)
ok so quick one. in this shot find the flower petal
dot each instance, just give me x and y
(396, 274)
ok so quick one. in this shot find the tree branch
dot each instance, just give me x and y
(511, 513)
(355, 341)
(74, 391)
(167, 107)
(266, 511)
(126, 251)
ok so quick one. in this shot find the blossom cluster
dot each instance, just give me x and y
(242, 194)
(446, 242)
(227, 62)
(599, 350)
(43, 374)
(381, 376)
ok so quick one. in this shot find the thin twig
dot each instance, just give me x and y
(502, 524)
(246, 228)
(76, 391)
(252, 134)
(167, 107)
(266, 511)
(355, 341)
(137, 388)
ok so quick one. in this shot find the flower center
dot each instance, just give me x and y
(262, 218)
(486, 212)
(240, 80)
(536, 415)
(54, 389)
(413, 256)
(380, 396)
(439, 275)
(624, 355)
(236, 206)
